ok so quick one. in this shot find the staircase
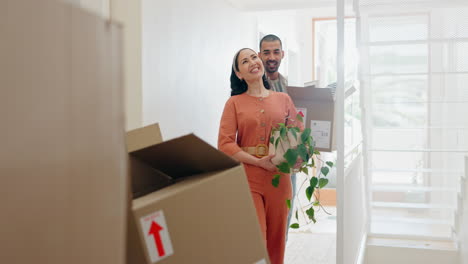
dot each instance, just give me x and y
(413, 211)
(416, 132)
(409, 251)
(410, 233)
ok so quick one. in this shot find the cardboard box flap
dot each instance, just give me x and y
(184, 156)
(143, 137)
(146, 179)
(310, 93)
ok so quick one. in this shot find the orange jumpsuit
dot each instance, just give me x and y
(246, 122)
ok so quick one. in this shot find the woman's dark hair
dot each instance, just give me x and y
(239, 86)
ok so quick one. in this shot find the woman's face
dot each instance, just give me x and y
(250, 66)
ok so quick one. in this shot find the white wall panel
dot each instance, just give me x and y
(355, 215)
(464, 229)
(188, 48)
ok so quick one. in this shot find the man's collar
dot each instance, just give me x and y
(277, 79)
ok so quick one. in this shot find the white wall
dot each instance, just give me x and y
(188, 48)
(281, 24)
(464, 228)
(304, 28)
(128, 14)
(355, 215)
(100, 7)
(294, 27)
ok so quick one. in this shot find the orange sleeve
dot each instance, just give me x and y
(292, 109)
(228, 130)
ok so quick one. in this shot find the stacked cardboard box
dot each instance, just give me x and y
(318, 107)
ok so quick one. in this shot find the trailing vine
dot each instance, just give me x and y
(299, 155)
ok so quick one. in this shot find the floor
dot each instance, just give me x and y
(314, 243)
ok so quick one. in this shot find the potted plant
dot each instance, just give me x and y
(295, 152)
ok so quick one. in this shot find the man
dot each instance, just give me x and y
(271, 53)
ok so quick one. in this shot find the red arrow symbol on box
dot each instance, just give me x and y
(154, 230)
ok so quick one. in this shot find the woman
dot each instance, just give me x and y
(244, 134)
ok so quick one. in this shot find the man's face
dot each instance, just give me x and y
(271, 55)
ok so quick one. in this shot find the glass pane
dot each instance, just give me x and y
(449, 23)
(387, 89)
(449, 57)
(398, 28)
(461, 57)
(411, 58)
(352, 124)
(385, 138)
(399, 115)
(450, 87)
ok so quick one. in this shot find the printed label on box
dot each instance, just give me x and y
(158, 241)
(303, 111)
(321, 133)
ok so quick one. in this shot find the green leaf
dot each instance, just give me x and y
(276, 179)
(288, 203)
(283, 132)
(295, 129)
(294, 133)
(291, 157)
(311, 214)
(302, 151)
(284, 167)
(323, 182)
(329, 163)
(316, 152)
(324, 170)
(316, 203)
(305, 170)
(295, 226)
(300, 118)
(311, 149)
(272, 140)
(309, 192)
(276, 143)
(297, 217)
(305, 135)
(275, 182)
(313, 182)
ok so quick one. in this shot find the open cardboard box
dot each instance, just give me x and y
(318, 107)
(190, 204)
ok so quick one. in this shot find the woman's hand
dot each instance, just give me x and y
(266, 163)
(298, 164)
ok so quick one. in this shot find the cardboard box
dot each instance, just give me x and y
(318, 106)
(191, 204)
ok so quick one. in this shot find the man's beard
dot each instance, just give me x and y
(271, 69)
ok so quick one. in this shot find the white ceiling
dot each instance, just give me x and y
(269, 5)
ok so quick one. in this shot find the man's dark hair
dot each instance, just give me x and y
(270, 37)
